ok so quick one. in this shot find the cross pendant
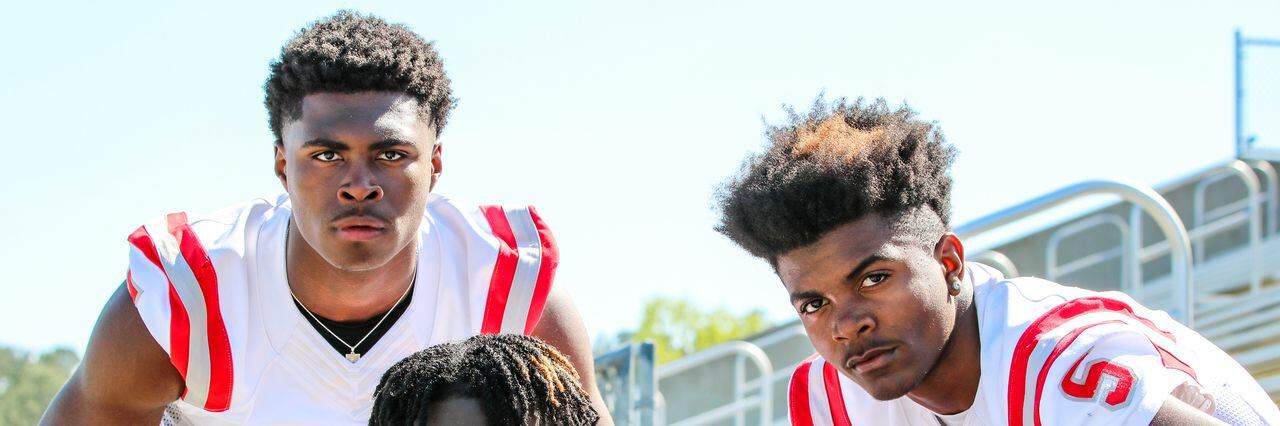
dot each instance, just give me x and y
(353, 357)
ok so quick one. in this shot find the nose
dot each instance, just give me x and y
(360, 187)
(852, 324)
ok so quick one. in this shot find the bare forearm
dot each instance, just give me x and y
(71, 406)
(125, 377)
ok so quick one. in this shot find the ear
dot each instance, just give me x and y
(437, 164)
(280, 163)
(950, 254)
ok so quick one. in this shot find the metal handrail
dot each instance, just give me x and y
(742, 350)
(1221, 224)
(996, 260)
(1199, 216)
(632, 366)
(1243, 171)
(1273, 192)
(1055, 239)
(1140, 195)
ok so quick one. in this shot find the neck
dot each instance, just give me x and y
(342, 295)
(952, 384)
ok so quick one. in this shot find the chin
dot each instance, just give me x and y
(887, 393)
(890, 387)
(358, 260)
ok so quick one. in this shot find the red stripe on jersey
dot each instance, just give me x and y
(221, 367)
(546, 271)
(140, 239)
(835, 398)
(798, 394)
(179, 324)
(1049, 321)
(504, 269)
(1171, 361)
(128, 284)
(179, 334)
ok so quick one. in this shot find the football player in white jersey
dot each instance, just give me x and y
(288, 309)
(850, 204)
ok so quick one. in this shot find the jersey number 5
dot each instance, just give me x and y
(1101, 378)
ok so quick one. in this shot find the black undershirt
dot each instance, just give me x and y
(354, 331)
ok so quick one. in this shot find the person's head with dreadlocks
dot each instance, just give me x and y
(489, 379)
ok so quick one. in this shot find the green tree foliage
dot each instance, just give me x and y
(678, 327)
(28, 382)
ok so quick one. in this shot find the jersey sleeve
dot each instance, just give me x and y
(519, 281)
(1112, 373)
(174, 286)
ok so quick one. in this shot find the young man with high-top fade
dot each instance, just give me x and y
(288, 309)
(850, 203)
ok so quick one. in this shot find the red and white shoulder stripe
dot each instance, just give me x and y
(175, 287)
(1045, 340)
(815, 396)
(522, 272)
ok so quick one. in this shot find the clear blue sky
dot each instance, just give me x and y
(617, 120)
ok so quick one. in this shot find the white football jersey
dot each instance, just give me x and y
(212, 292)
(1056, 355)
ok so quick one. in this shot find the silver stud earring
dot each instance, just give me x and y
(955, 285)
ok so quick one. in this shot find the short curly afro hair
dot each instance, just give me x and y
(350, 52)
(836, 164)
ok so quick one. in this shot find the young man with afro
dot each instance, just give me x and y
(288, 309)
(850, 203)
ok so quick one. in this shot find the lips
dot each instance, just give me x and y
(871, 359)
(360, 228)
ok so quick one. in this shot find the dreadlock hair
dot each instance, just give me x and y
(836, 164)
(348, 53)
(514, 378)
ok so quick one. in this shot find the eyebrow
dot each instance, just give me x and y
(325, 143)
(803, 295)
(857, 270)
(388, 143)
(339, 146)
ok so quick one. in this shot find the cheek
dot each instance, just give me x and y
(818, 329)
(308, 179)
(931, 316)
(919, 310)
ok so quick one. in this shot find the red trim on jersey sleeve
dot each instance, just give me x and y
(179, 326)
(221, 368)
(546, 271)
(179, 335)
(128, 284)
(835, 397)
(504, 269)
(798, 394)
(1171, 361)
(140, 239)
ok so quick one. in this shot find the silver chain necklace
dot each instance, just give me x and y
(351, 354)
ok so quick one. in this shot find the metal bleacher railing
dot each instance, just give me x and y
(626, 380)
(1143, 198)
(1230, 296)
(747, 395)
